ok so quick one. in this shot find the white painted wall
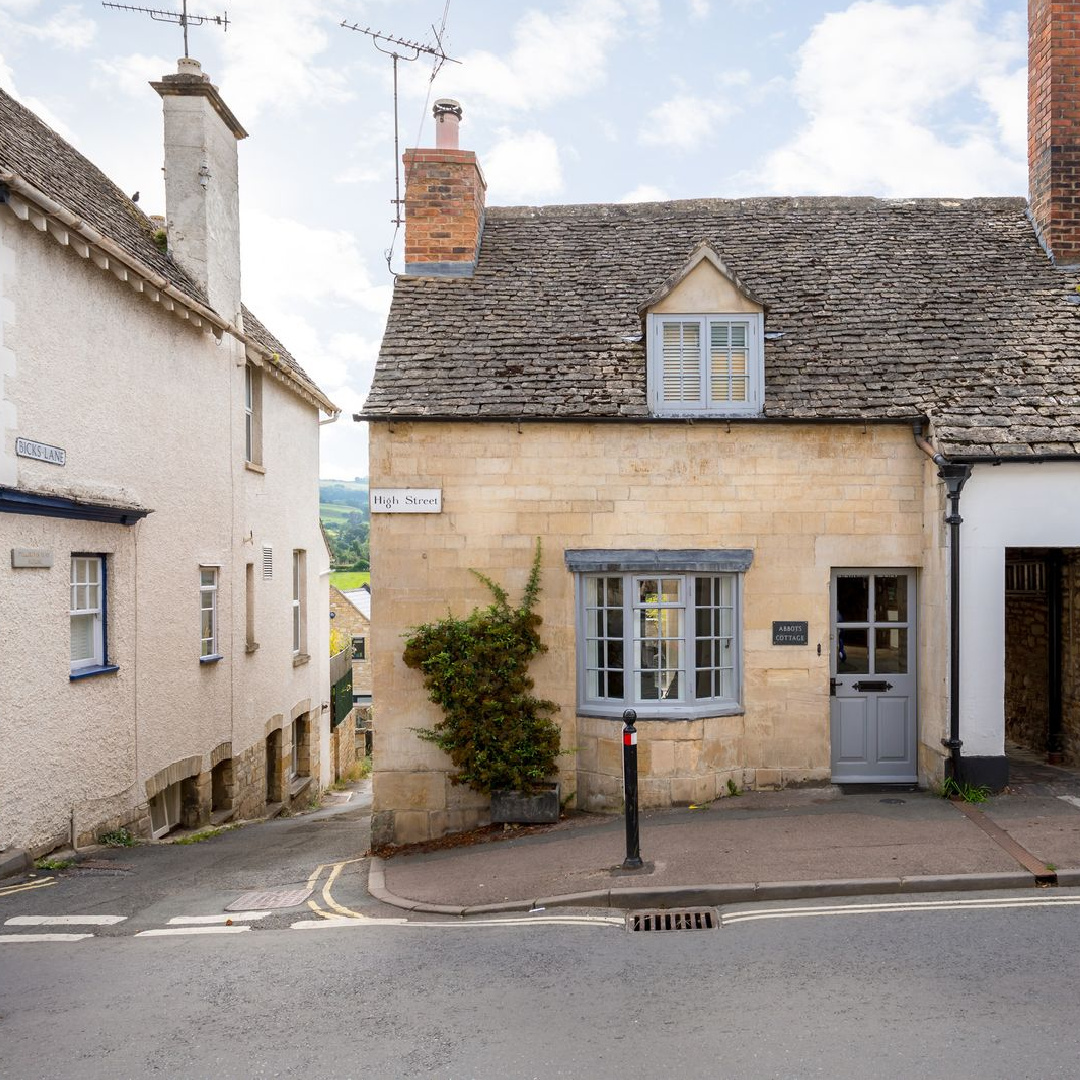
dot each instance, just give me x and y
(1015, 505)
(150, 412)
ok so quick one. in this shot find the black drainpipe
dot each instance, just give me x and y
(955, 477)
(1054, 745)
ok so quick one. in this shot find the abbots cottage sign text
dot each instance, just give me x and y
(40, 451)
(790, 633)
(406, 500)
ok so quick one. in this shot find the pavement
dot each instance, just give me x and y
(789, 844)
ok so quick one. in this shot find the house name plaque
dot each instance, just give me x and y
(40, 451)
(791, 633)
(31, 558)
(406, 500)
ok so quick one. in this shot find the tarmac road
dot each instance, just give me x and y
(978, 987)
(149, 885)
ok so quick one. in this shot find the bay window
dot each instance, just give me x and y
(659, 631)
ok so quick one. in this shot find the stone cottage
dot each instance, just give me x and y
(806, 472)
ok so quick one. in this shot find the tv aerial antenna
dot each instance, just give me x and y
(410, 50)
(181, 18)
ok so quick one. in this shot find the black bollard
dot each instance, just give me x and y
(629, 761)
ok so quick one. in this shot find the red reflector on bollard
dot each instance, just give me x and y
(629, 738)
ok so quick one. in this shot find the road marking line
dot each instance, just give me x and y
(65, 920)
(329, 920)
(335, 870)
(26, 886)
(1072, 799)
(235, 917)
(193, 930)
(30, 938)
(888, 909)
(368, 923)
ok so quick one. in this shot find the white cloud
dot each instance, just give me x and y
(553, 58)
(684, 121)
(67, 29)
(274, 62)
(874, 78)
(357, 174)
(523, 167)
(131, 73)
(324, 266)
(699, 9)
(645, 193)
(36, 105)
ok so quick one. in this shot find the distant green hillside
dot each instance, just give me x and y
(343, 508)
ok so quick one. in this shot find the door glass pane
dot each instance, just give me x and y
(890, 598)
(890, 651)
(852, 598)
(852, 654)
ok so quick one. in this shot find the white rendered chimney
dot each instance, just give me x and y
(202, 198)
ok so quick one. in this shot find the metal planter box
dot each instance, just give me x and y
(513, 807)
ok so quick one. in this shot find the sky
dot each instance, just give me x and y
(565, 101)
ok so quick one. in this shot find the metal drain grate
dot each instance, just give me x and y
(691, 919)
(270, 898)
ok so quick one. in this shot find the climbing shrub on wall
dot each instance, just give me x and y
(498, 734)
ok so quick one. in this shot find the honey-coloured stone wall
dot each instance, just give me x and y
(804, 498)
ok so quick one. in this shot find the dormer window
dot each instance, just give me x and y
(705, 364)
(704, 332)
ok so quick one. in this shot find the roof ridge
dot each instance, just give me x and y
(779, 204)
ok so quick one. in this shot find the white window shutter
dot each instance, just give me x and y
(680, 360)
(268, 563)
(729, 361)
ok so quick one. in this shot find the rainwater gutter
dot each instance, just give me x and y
(954, 476)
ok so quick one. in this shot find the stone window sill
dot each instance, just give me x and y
(300, 659)
(254, 467)
(213, 658)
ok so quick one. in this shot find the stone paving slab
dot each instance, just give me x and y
(785, 840)
(1049, 827)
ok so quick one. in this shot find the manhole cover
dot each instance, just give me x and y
(691, 919)
(893, 802)
(270, 898)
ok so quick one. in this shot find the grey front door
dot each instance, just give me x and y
(873, 677)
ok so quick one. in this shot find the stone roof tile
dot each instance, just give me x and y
(888, 308)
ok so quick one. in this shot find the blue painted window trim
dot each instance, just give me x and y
(213, 658)
(86, 673)
(683, 562)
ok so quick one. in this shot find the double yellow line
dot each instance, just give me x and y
(333, 909)
(27, 886)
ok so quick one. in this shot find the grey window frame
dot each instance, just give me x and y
(630, 565)
(755, 365)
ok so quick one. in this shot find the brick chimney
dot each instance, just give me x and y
(1054, 126)
(444, 202)
(202, 197)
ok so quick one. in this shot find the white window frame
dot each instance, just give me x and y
(597, 696)
(299, 596)
(702, 404)
(88, 599)
(208, 601)
(252, 414)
